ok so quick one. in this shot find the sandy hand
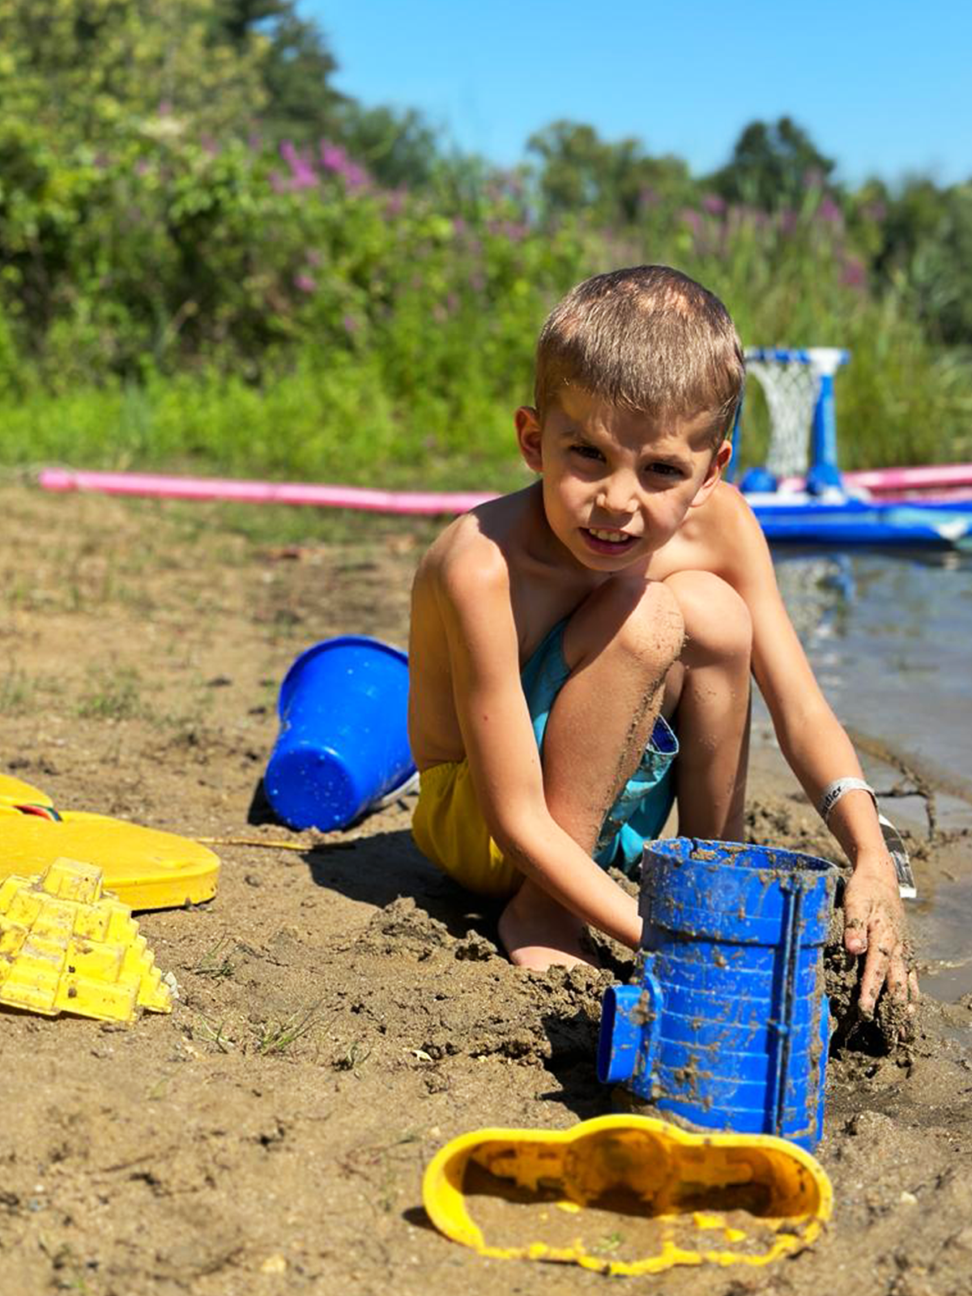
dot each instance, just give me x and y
(874, 925)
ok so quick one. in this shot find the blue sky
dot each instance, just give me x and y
(882, 87)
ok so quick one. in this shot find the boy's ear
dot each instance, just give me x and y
(717, 466)
(528, 436)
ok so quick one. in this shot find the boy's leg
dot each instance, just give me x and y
(710, 687)
(619, 644)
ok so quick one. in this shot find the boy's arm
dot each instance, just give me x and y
(474, 600)
(818, 751)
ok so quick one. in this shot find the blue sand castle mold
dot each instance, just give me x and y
(343, 742)
(727, 1022)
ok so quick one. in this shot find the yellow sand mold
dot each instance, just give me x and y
(146, 869)
(67, 945)
(627, 1195)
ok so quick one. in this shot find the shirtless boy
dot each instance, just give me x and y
(562, 636)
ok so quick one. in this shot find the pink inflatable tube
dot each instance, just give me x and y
(254, 492)
(881, 481)
(954, 479)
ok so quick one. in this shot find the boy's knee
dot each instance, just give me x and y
(654, 629)
(717, 620)
(639, 627)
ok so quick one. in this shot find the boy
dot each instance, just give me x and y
(560, 635)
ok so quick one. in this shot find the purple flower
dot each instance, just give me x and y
(355, 177)
(477, 281)
(141, 167)
(692, 219)
(828, 211)
(165, 108)
(305, 283)
(314, 257)
(351, 325)
(713, 204)
(395, 201)
(853, 273)
(788, 220)
(333, 157)
(302, 174)
(515, 231)
(458, 225)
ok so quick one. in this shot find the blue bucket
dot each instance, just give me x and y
(343, 742)
(726, 1023)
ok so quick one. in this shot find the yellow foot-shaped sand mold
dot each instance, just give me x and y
(66, 945)
(627, 1195)
(145, 868)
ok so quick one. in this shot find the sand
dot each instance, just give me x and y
(343, 1009)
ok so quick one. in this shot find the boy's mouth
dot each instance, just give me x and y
(603, 540)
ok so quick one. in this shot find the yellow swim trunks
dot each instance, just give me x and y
(449, 828)
(450, 831)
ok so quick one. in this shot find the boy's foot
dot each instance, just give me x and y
(538, 933)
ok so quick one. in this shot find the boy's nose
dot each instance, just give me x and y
(616, 496)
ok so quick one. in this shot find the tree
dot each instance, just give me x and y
(398, 148)
(297, 70)
(581, 172)
(928, 239)
(772, 166)
(86, 71)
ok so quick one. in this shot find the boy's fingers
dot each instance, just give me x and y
(898, 977)
(855, 930)
(875, 971)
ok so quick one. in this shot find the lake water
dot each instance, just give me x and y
(890, 639)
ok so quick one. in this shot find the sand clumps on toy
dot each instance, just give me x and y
(627, 1195)
(68, 945)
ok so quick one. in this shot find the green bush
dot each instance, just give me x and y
(174, 301)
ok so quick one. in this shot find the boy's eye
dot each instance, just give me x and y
(664, 470)
(587, 451)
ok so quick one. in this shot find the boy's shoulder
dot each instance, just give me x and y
(479, 547)
(722, 534)
(469, 558)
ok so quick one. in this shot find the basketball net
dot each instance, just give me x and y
(791, 383)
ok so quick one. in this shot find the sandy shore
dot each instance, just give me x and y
(343, 1009)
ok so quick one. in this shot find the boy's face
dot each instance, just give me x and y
(616, 484)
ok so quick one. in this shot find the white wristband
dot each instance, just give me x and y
(892, 838)
(834, 791)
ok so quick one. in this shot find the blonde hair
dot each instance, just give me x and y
(647, 338)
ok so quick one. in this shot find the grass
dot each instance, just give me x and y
(217, 962)
(208, 1032)
(353, 1058)
(16, 692)
(113, 695)
(899, 401)
(20, 693)
(275, 1037)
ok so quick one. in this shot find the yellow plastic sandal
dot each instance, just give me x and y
(15, 791)
(145, 868)
(627, 1195)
